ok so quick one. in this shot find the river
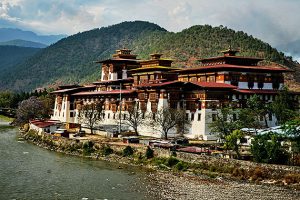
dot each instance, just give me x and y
(30, 172)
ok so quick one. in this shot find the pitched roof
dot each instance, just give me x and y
(234, 67)
(158, 84)
(44, 124)
(214, 85)
(257, 91)
(73, 89)
(104, 92)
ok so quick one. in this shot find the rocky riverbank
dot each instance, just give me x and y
(188, 187)
(196, 177)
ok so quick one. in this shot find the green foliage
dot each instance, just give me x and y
(181, 166)
(283, 107)
(267, 149)
(250, 116)
(127, 151)
(72, 59)
(88, 148)
(171, 161)
(13, 55)
(149, 153)
(231, 141)
(224, 123)
(106, 150)
(292, 131)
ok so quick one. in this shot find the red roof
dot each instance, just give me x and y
(104, 92)
(257, 91)
(236, 67)
(234, 57)
(113, 81)
(158, 84)
(214, 85)
(43, 124)
(73, 89)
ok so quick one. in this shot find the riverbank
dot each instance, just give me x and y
(6, 119)
(180, 168)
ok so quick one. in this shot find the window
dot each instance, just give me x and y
(250, 81)
(108, 116)
(270, 117)
(187, 116)
(114, 116)
(71, 106)
(124, 116)
(211, 79)
(199, 116)
(243, 140)
(71, 114)
(235, 79)
(192, 117)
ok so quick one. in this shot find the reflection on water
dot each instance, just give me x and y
(30, 172)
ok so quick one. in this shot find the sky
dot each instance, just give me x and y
(273, 21)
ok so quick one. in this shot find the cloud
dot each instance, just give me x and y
(275, 22)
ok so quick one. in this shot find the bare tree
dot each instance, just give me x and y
(29, 109)
(91, 115)
(134, 119)
(166, 119)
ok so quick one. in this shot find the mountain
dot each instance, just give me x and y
(12, 55)
(7, 34)
(71, 60)
(23, 43)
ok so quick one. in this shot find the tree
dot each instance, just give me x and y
(166, 119)
(134, 119)
(267, 149)
(292, 131)
(29, 109)
(48, 104)
(251, 115)
(90, 115)
(283, 107)
(225, 122)
(231, 141)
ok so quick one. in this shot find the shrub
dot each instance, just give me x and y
(128, 151)
(240, 172)
(173, 153)
(181, 166)
(88, 148)
(149, 153)
(106, 150)
(292, 178)
(258, 174)
(171, 161)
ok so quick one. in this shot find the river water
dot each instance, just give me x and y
(30, 172)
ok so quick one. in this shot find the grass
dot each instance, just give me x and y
(6, 119)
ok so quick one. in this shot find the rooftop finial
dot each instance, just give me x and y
(230, 51)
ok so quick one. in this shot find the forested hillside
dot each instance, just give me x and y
(12, 55)
(72, 59)
(23, 43)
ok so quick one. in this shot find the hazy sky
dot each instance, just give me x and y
(274, 21)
